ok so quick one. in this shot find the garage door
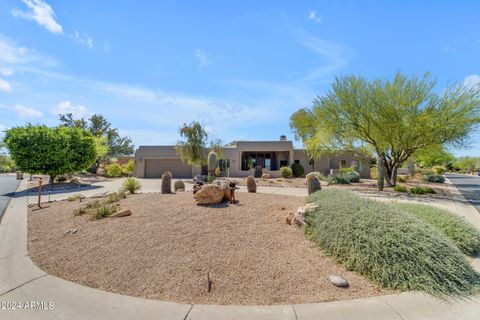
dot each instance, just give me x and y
(154, 168)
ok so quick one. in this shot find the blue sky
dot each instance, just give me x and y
(240, 68)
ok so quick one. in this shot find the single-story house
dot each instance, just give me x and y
(240, 159)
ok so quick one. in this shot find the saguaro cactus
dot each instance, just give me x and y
(258, 172)
(167, 182)
(212, 165)
(251, 185)
(380, 173)
(313, 183)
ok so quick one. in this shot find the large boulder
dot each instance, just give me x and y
(224, 184)
(209, 194)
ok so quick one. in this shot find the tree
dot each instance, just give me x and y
(192, 149)
(467, 164)
(51, 151)
(98, 126)
(394, 118)
(435, 155)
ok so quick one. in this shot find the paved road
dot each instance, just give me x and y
(469, 186)
(8, 184)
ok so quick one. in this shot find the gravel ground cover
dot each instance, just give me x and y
(166, 248)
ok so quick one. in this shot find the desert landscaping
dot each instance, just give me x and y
(168, 246)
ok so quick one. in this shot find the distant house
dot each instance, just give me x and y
(239, 160)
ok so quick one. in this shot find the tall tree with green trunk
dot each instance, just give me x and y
(394, 118)
(192, 149)
(51, 151)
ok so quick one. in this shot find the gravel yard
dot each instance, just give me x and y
(168, 246)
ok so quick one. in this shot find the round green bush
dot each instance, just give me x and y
(298, 170)
(113, 170)
(352, 176)
(400, 189)
(286, 172)
(389, 246)
(435, 178)
(422, 190)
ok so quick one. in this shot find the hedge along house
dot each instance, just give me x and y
(239, 160)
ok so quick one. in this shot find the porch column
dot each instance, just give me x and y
(290, 157)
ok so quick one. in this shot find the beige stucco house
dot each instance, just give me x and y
(240, 159)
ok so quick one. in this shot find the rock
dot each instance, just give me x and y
(209, 194)
(266, 176)
(338, 281)
(224, 184)
(289, 218)
(74, 231)
(200, 178)
(197, 186)
(310, 207)
(299, 217)
(122, 213)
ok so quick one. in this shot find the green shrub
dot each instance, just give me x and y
(113, 170)
(342, 179)
(393, 248)
(104, 211)
(402, 178)
(131, 185)
(116, 196)
(422, 190)
(352, 176)
(400, 188)
(435, 178)
(286, 172)
(298, 170)
(93, 205)
(439, 169)
(346, 170)
(79, 211)
(463, 234)
(373, 172)
(128, 168)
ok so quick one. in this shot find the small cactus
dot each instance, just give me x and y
(313, 183)
(258, 172)
(212, 165)
(179, 184)
(166, 182)
(251, 185)
(380, 173)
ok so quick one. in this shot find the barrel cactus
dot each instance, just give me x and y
(212, 165)
(380, 173)
(251, 185)
(167, 182)
(179, 185)
(258, 172)
(313, 182)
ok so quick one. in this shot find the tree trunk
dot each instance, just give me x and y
(380, 173)
(393, 178)
(52, 181)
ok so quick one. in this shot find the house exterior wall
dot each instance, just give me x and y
(283, 151)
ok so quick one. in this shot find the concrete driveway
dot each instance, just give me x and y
(468, 186)
(8, 185)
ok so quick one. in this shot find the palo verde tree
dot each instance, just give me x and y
(394, 118)
(51, 151)
(192, 149)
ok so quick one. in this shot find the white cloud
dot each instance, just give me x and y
(203, 59)
(63, 107)
(84, 39)
(42, 13)
(6, 72)
(471, 81)
(313, 15)
(10, 53)
(5, 86)
(26, 112)
(335, 56)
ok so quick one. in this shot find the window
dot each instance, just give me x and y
(297, 161)
(343, 163)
